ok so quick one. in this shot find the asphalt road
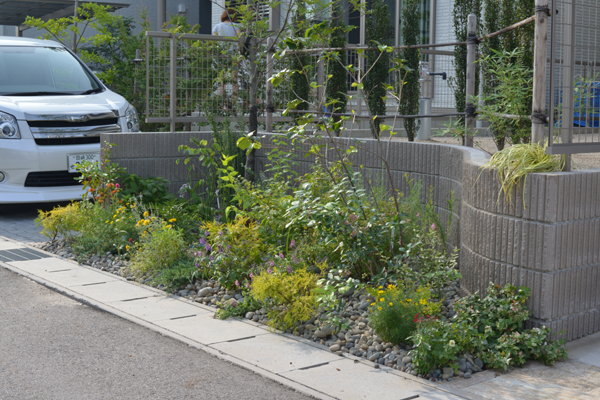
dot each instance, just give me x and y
(52, 347)
(17, 221)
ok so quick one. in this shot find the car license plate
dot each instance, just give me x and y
(74, 159)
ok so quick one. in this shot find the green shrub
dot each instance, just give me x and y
(233, 308)
(104, 228)
(435, 344)
(288, 295)
(490, 328)
(179, 273)
(160, 246)
(148, 190)
(230, 252)
(396, 310)
(59, 221)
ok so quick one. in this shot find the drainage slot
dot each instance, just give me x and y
(411, 397)
(92, 284)
(59, 270)
(186, 316)
(237, 340)
(313, 366)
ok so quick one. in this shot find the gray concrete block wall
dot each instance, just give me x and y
(548, 239)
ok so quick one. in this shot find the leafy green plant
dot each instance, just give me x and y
(508, 105)
(159, 247)
(230, 252)
(435, 344)
(148, 190)
(59, 221)
(490, 328)
(332, 295)
(397, 309)
(289, 295)
(179, 273)
(513, 164)
(233, 308)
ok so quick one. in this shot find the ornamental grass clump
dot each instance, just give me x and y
(514, 163)
(396, 310)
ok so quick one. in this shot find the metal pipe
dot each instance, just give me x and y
(161, 13)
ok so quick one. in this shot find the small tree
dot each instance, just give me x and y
(70, 31)
(377, 33)
(411, 88)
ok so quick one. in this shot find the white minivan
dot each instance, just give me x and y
(52, 111)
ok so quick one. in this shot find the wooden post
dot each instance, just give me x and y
(538, 118)
(270, 105)
(471, 78)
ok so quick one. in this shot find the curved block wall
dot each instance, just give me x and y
(548, 240)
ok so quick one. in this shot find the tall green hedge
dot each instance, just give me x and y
(411, 90)
(377, 32)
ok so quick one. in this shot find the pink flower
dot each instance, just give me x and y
(281, 255)
(269, 270)
(292, 244)
(433, 226)
(237, 283)
(289, 269)
(117, 185)
(251, 275)
(418, 215)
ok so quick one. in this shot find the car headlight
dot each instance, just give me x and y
(133, 122)
(9, 129)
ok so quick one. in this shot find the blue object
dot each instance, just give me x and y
(587, 98)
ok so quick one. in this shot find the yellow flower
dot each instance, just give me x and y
(391, 304)
(146, 222)
(380, 291)
(169, 226)
(423, 301)
(146, 214)
(408, 300)
(127, 247)
(382, 299)
(107, 222)
(173, 220)
(380, 287)
(379, 308)
(118, 220)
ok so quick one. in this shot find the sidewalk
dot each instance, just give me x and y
(294, 362)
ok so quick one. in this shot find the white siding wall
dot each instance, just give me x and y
(443, 96)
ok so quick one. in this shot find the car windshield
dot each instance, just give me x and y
(42, 71)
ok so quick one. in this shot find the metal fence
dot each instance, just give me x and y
(193, 78)
(574, 76)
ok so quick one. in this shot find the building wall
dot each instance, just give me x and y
(548, 240)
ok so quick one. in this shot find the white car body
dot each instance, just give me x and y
(34, 166)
